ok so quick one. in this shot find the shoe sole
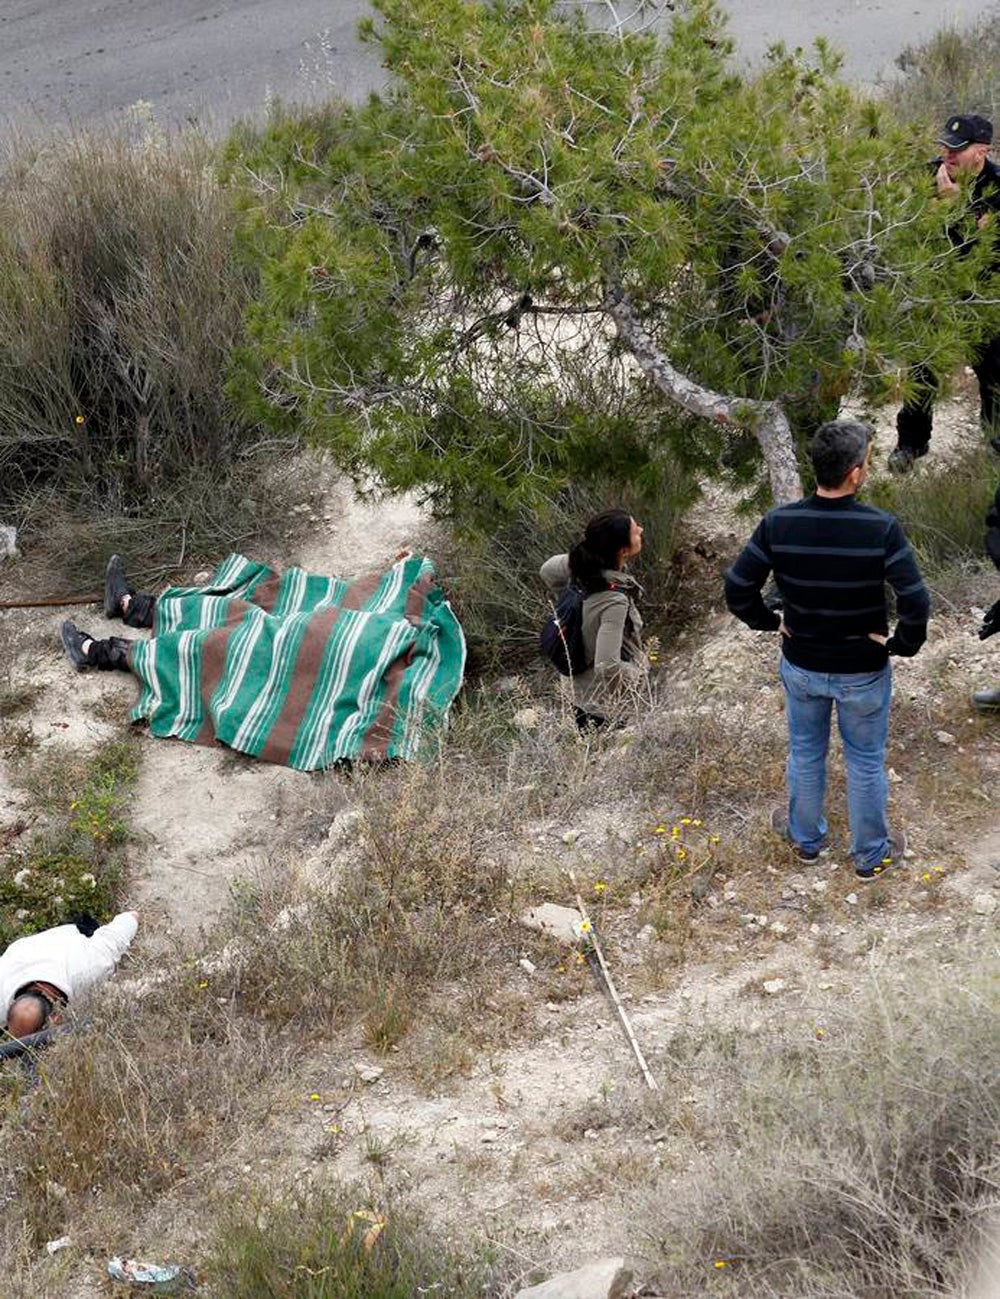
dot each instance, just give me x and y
(112, 608)
(78, 660)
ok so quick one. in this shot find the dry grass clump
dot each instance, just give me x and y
(953, 72)
(862, 1163)
(126, 1105)
(121, 301)
(411, 931)
(944, 516)
(337, 1244)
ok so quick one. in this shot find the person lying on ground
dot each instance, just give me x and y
(831, 558)
(611, 624)
(42, 973)
(293, 668)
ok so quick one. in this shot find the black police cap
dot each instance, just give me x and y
(966, 128)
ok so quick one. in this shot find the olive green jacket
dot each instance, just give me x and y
(612, 637)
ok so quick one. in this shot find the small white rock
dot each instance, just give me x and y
(984, 904)
(527, 966)
(773, 986)
(368, 1073)
(944, 737)
(851, 899)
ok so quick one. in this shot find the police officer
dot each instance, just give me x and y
(966, 139)
(988, 701)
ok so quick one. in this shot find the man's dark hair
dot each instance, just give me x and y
(837, 448)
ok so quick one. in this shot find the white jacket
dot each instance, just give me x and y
(64, 958)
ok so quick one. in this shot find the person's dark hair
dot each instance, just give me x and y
(604, 537)
(837, 448)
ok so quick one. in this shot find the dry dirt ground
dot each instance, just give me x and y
(543, 1144)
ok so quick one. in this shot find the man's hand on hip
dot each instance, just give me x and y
(878, 638)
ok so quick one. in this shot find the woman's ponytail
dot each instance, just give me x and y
(604, 538)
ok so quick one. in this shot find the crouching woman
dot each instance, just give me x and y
(612, 626)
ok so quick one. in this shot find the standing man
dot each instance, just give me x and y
(39, 974)
(831, 559)
(966, 139)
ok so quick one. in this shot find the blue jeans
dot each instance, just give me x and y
(862, 700)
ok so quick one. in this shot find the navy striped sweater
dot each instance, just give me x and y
(831, 558)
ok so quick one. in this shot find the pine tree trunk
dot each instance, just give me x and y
(766, 419)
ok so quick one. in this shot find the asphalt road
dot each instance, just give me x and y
(86, 61)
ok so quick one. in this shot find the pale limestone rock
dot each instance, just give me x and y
(556, 921)
(605, 1278)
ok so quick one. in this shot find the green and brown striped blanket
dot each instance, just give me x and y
(300, 669)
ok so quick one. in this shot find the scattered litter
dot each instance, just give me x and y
(169, 1278)
(54, 1246)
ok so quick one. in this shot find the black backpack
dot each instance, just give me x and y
(561, 637)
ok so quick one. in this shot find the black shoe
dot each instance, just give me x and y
(72, 640)
(901, 458)
(115, 587)
(779, 824)
(986, 701)
(893, 857)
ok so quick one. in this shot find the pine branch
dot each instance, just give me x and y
(769, 422)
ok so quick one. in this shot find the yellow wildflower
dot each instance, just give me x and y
(600, 886)
(314, 1096)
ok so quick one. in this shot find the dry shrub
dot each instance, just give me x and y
(120, 303)
(953, 72)
(126, 1104)
(864, 1163)
(944, 516)
(420, 908)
